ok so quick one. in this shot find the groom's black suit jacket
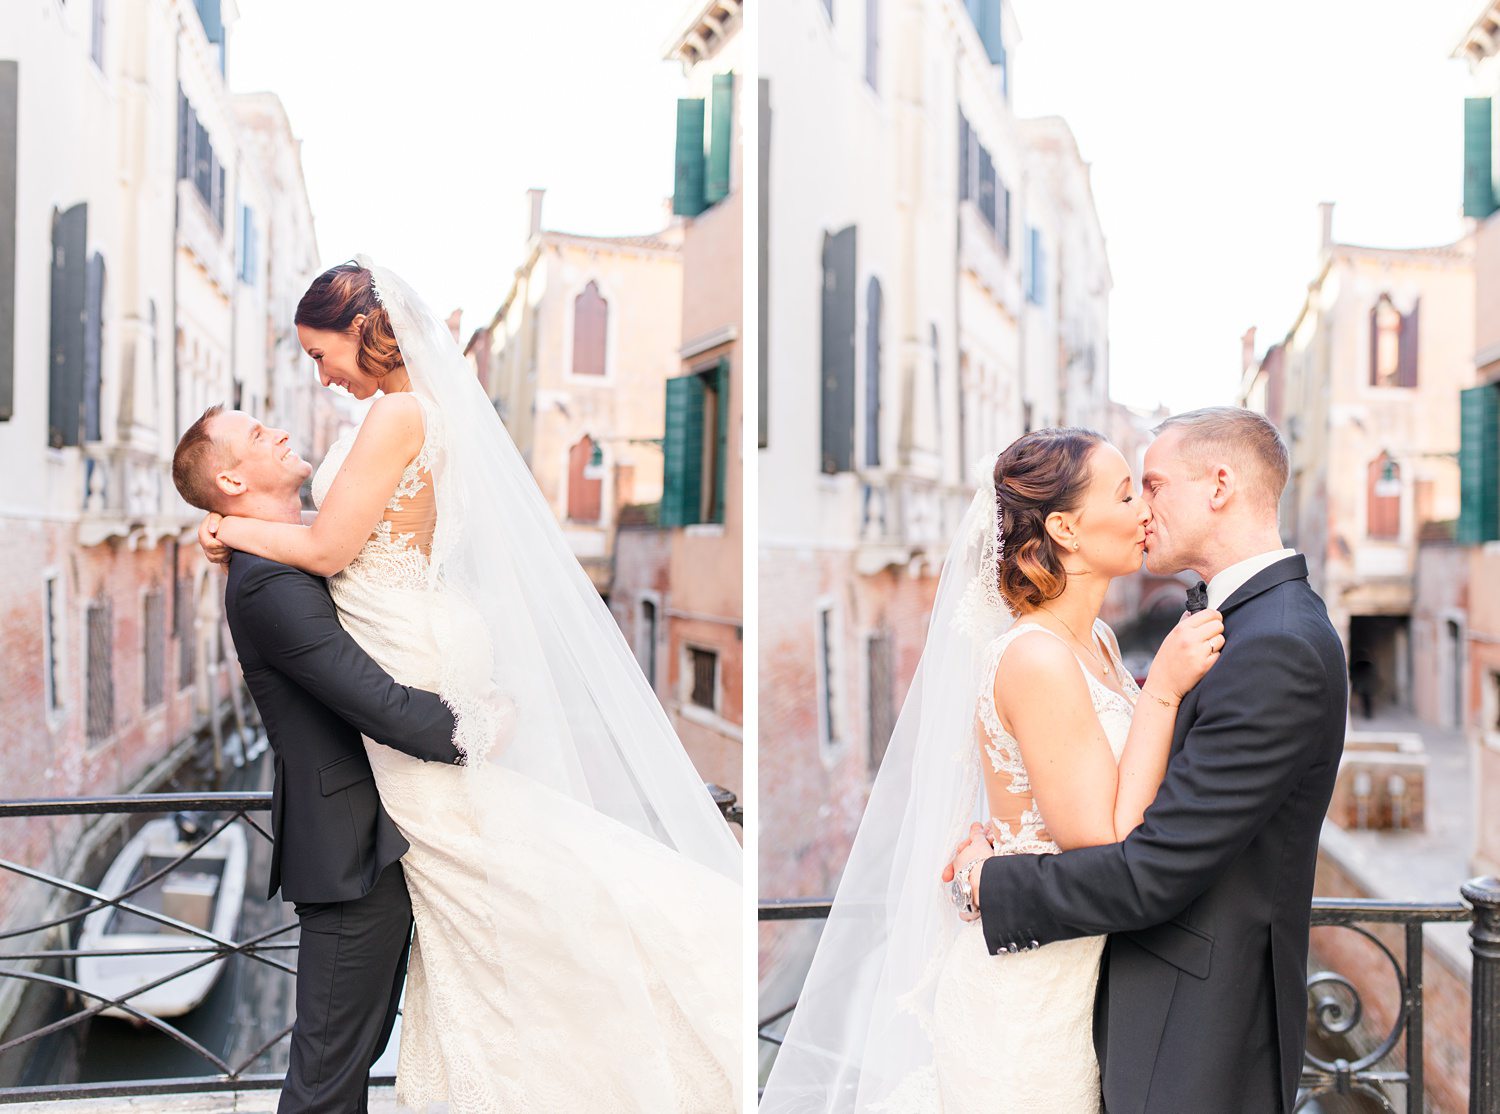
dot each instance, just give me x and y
(1203, 1002)
(316, 691)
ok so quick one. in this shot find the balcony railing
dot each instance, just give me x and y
(198, 948)
(1335, 1001)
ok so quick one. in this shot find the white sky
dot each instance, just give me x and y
(423, 124)
(1215, 129)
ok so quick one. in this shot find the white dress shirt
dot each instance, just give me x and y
(1229, 580)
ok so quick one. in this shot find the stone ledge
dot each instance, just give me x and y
(382, 1101)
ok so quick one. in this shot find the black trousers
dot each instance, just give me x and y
(350, 966)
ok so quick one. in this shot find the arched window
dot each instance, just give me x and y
(585, 481)
(1393, 344)
(590, 323)
(872, 373)
(1383, 507)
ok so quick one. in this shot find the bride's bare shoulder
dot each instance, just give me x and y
(395, 421)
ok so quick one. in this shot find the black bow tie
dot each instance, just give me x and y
(1197, 597)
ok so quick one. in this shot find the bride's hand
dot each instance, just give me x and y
(215, 550)
(1188, 653)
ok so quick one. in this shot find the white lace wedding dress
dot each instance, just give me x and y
(576, 964)
(1013, 1034)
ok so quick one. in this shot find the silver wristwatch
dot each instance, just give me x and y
(961, 890)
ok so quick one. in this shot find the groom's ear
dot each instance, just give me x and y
(1226, 483)
(230, 482)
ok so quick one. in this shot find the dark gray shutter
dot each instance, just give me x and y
(1375, 345)
(963, 156)
(987, 185)
(1002, 215)
(93, 346)
(1406, 365)
(9, 118)
(872, 373)
(837, 362)
(763, 248)
(69, 291)
(872, 43)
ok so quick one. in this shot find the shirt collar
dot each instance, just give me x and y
(1221, 587)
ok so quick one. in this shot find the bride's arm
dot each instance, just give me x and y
(388, 440)
(1086, 798)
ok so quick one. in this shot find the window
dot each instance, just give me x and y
(1383, 499)
(837, 441)
(985, 187)
(1479, 465)
(153, 647)
(872, 44)
(965, 140)
(96, 36)
(872, 373)
(196, 160)
(101, 672)
(187, 651)
(1036, 268)
(828, 738)
(695, 447)
(212, 17)
(585, 481)
(590, 324)
(1002, 216)
(1393, 344)
(704, 665)
(881, 687)
(646, 641)
(52, 616)
(249, 246)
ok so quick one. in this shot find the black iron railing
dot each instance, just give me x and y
(1336, 1003)
(199, 947)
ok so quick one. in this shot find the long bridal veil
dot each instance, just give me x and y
(535, 666)
(860, 1038)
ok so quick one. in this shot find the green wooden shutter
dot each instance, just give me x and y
(721, 454)
(720, 138)
(688, 185)
(682, 452)
(9, 88)
(1479, 189)
(1479, 465)
(69, 292)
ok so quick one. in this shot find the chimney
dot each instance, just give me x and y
(534, 213)
(1247, 349)
(1325, 221)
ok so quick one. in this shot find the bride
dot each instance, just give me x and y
(574, 888)
(1020, 713)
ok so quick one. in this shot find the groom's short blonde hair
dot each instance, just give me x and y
(1241, 438)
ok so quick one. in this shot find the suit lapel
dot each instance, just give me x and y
(1288, 568)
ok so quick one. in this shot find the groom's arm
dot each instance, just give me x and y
(294, 624)
(1242, 757)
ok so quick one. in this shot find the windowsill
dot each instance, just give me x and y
(708, 718)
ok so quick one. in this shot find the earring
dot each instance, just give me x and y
(1075, 547)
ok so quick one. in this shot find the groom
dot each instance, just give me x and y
(335, 854)
(1202, 999)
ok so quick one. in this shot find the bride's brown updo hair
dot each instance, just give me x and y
(335, 299)
(1043, 472)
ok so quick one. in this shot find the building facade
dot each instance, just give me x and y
(1479, 450)
(1366, 383)
(934, 272)
(686, 620)
(575, 361)
(129, 300)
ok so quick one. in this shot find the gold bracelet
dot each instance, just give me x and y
(1159, 700)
